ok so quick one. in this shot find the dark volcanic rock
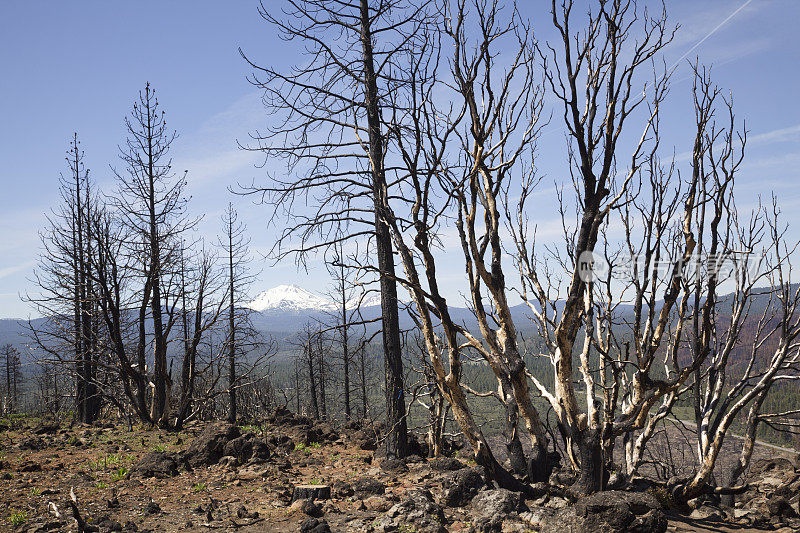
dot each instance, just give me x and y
(156, 464)
(418, 512)
(46, 428)
(445, 464)
(780, 506)
(315, 525)
(342, 489)
(368, 486)
(395, 466)
(610, 512)
(246, 448)
(281, 442)
(462, 486)
(34, 443)
(209, 446)
(364, 440)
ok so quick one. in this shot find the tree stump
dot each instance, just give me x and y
(311, 492)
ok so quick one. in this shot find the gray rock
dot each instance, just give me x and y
(490, 508)
(418, 512)
(707, 512)
(609, 512)
(773, 470)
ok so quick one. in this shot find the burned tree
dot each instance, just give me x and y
(12, 377)
(240, 332)
(151, 203)
(66, 297)
(331, 132)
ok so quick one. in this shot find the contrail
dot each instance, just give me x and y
(701, 41)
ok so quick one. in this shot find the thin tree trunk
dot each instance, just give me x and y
(232, 330)
(363, 376)
(312, 380)
(321, 372)
(297, 384)
(345, 347)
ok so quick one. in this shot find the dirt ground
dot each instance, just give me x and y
(35, 484)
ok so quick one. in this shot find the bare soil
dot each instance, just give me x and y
(35, 485)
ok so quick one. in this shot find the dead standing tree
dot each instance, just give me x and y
(330, 132)
(202, 298)
(457, 172)
(151, 203)
(240, 332)
(66, 294)
(11, 376)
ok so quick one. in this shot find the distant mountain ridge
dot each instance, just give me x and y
(282, 311)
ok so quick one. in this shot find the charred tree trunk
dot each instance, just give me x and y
(297, 384)
(323, 415)
(516, 454)
(312, 380)
(397, 438)
(363, 378)
(592, 475)
(345, 344)
(231, 329)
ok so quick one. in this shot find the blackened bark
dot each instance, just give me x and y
(345, 347)
(592, 476)
(321, 372)
(158, 407)
(397, 438)
(312, 379)
(516, 454)
(231, 329)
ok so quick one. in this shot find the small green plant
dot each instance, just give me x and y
(199, 487)
(159, 448)
(103, 462)
(35, 491)
(300, 447)
(663, 496)
(101, 485)
(119, 473)
(315, 445)
(17, 518)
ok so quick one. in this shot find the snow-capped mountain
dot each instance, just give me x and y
(290, 298)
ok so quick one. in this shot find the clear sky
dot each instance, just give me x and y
(77, 66)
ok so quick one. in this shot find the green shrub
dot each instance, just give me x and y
(17, 518)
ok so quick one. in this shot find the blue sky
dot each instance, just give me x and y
(77, 66)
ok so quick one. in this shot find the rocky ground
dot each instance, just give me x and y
(295, 474)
